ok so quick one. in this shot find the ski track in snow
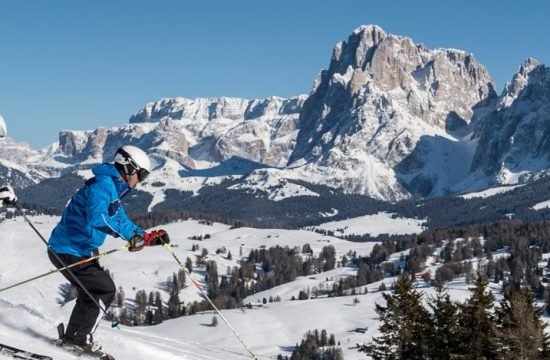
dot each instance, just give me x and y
(180, 346)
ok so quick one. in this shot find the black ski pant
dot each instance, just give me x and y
(98, 282)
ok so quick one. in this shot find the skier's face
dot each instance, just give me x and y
(133, 180)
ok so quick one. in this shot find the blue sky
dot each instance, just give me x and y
(79, 65)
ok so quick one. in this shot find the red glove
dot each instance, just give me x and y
(156, 237)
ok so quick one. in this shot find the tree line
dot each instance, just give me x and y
(315, 345)
(445, 329)
(279, 265)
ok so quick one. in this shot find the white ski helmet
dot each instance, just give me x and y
(130, 159)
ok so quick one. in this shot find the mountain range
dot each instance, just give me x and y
(388, 119)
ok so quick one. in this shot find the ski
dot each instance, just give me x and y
(77, 351)
(21, 354)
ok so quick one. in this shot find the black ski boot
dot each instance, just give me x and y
(94, 349)
(90, 348)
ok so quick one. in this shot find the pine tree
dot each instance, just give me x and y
(476, 331)
(189, 264)
(124, 317)
(323, 341)
(362, 271)
(149, 317)
(181, 278)
(174, 309)
(175, 284)
(157, 317)
(520, 330)
(141, 301)
(159, 313)
(120, 297)
(404, 324)
(443, 334)
(328, 255)
(332, 340)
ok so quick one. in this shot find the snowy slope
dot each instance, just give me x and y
(489, 192)
(380, 223)
(30, 312)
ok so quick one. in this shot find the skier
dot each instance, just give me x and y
(93, 212)
(7, 196)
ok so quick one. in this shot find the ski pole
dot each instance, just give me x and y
(114, 322)
(83, 261)
(167, 247)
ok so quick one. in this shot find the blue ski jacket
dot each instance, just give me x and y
(93, 212)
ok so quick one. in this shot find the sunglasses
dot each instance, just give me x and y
(142, 174)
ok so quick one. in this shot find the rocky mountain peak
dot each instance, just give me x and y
(354, 52)
(392, 61)
(529, 65)
(514, 140)
(216, 108)
(519, 82)
(205, 129)
(376, 94)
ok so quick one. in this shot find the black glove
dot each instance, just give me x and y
(137, 242)
(7, 196)
(156, 237)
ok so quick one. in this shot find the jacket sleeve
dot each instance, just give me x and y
(108, 216)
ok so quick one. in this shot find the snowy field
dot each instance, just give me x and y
(380, 223)
(30, 313)
(542, 205)
(489, 192)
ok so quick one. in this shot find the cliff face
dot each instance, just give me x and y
(218, 129)
(379, 97)
(514, 139)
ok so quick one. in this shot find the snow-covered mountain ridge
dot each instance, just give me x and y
(388, 118)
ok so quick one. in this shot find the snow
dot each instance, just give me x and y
(542, 205)
(276, 187)
(333, 212)
(489, 192)
(343, 79)
(367, 28)
(29, 313)
(374, 225)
